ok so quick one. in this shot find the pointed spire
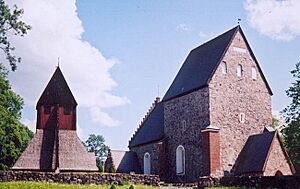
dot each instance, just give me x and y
(57, 91)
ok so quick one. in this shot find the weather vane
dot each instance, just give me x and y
(239, 20)
(57, 61)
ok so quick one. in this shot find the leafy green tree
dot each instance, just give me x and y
(291, 131)
(275, 122)
(96, 144)
(14, 136)
(10, 23)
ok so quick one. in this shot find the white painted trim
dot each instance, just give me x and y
(183, 156)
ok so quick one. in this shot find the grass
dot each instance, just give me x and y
(40, 185)
(230, 188)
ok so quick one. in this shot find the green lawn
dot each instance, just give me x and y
(39, 185)
(230, 188)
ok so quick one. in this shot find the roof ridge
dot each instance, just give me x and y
(202, 59)
(150, 110)
(221, 34)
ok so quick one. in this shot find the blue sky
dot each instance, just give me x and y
(115, 54)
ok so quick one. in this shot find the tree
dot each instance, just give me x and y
(291, 131)
(95, 143)
(10, 23)
(275, 122)
(14, 136)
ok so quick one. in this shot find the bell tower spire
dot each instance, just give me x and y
(56, 107)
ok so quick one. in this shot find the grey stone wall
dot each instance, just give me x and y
(77, 178)
(192, 108)
(154, 149)
(231, 95)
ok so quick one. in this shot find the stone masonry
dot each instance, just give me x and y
(277, 161)
(192, 108)
(209, 112)
(154, 149)
(231, 95)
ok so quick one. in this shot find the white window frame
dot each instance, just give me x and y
(147, 164)
(254, 73)
(180, 151)
(242, 117)
(224, 68)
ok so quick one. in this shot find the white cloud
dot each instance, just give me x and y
(31, 124)
(57, 32)
(80, 132)
(276, 19)
(103, 118)
(183, 27)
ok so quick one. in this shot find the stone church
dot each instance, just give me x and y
(214, 120)
(55, 146)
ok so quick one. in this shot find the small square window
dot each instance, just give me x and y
(242, 118)
(47, 109)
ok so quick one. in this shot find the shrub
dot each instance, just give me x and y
(131, 187)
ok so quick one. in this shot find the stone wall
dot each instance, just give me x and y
(277, 161)
(79, 178)
(231, 95)
(282, 182)
(185, 116)
(154, 149)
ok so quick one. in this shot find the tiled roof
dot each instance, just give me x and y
(57, 91)
(201, 63)
(125, 162)
(254, 154)
(152, 129)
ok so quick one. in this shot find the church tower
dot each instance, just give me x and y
(56, 146)
(56, 107)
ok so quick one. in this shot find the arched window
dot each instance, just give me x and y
(224, 68)
(242, 118)
(147, 164)
(253, 71)
(183, 125)
(180, 160)
(239, 70)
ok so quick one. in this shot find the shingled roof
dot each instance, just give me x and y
(152, 129)
(125, 161)
(254, 154)
(201, 63)
(57, 91)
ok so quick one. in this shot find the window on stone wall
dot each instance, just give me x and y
(147, 164)
(239, 70)
(242, 118)
(253, 73)
(47, 109)
(180, 160)
(224, 68)
(183, 125)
